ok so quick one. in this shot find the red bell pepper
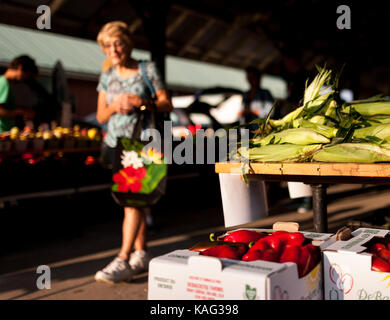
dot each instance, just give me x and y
(244, 236)
(295, 238)
(305, 261)
(377, 247)
(290, 254)
(204, 245)
(266, 255)
(261, 244)
(223, 251)
(252, 255)
(315, 253)
(280, 233)
(378, 264)
(270, 255)
(384, 254)
(306, 257)
(276, 242)
(279, 239)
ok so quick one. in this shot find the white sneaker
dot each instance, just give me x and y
(139, 261)
(116, 271)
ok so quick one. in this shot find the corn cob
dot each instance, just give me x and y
(287, 118)
(326, 131)
(283, 152)
(381, 131)
(372, 108)
(319, 101)
(331, 110)
(318, 119)
(352, 152)
(299, 136)
(376, 120)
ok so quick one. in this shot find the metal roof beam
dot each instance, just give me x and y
(135, 25)
(197, 13)
(196, 37)
(236, 46)
(178, 21)
(55, 5)
(233, 27)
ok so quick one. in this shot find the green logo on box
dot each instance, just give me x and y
(250, 293)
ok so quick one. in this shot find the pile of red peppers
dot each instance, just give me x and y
(279, 246)
(380, 251)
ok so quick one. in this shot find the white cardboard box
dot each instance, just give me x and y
(347, 269)
(187, 275)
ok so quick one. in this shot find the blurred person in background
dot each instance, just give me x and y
(46, 107)
(257, 102)
(11, 115)
(121, 91)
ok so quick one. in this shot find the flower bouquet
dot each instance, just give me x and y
(139, 177)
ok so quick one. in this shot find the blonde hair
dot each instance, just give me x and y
(118, 29)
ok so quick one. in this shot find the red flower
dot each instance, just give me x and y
(194, 128)
(130, 179)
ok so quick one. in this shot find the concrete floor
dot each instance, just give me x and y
(73, 261)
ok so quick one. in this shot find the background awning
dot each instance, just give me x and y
(267, 34)
(82, 59)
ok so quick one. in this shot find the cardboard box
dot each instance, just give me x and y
(347, 269)
(187, 275)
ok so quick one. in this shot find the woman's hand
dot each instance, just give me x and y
(124, 103)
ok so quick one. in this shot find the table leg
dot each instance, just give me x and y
(320, 214)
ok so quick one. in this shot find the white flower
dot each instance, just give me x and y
(130, 158)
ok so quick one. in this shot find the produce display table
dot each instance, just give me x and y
(56, 171)
(46, 151)
(318, 174)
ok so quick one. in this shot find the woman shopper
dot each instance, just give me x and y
(121, 91)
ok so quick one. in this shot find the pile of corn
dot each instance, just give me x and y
(324, 129)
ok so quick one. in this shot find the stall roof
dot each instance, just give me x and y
(236, 33)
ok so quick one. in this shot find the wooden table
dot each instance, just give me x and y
(318, 174)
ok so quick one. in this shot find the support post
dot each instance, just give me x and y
(320, 214)
(153, 14)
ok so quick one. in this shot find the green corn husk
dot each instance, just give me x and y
(286, 119)
(320, 103)
(314, 89)
(353, 152)
(376, 120)
(298, 136)
(318, 119)
(381, 131)
(276, 123)
(331, 111)
(282, 152)
(372, 108)
(326, 131)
